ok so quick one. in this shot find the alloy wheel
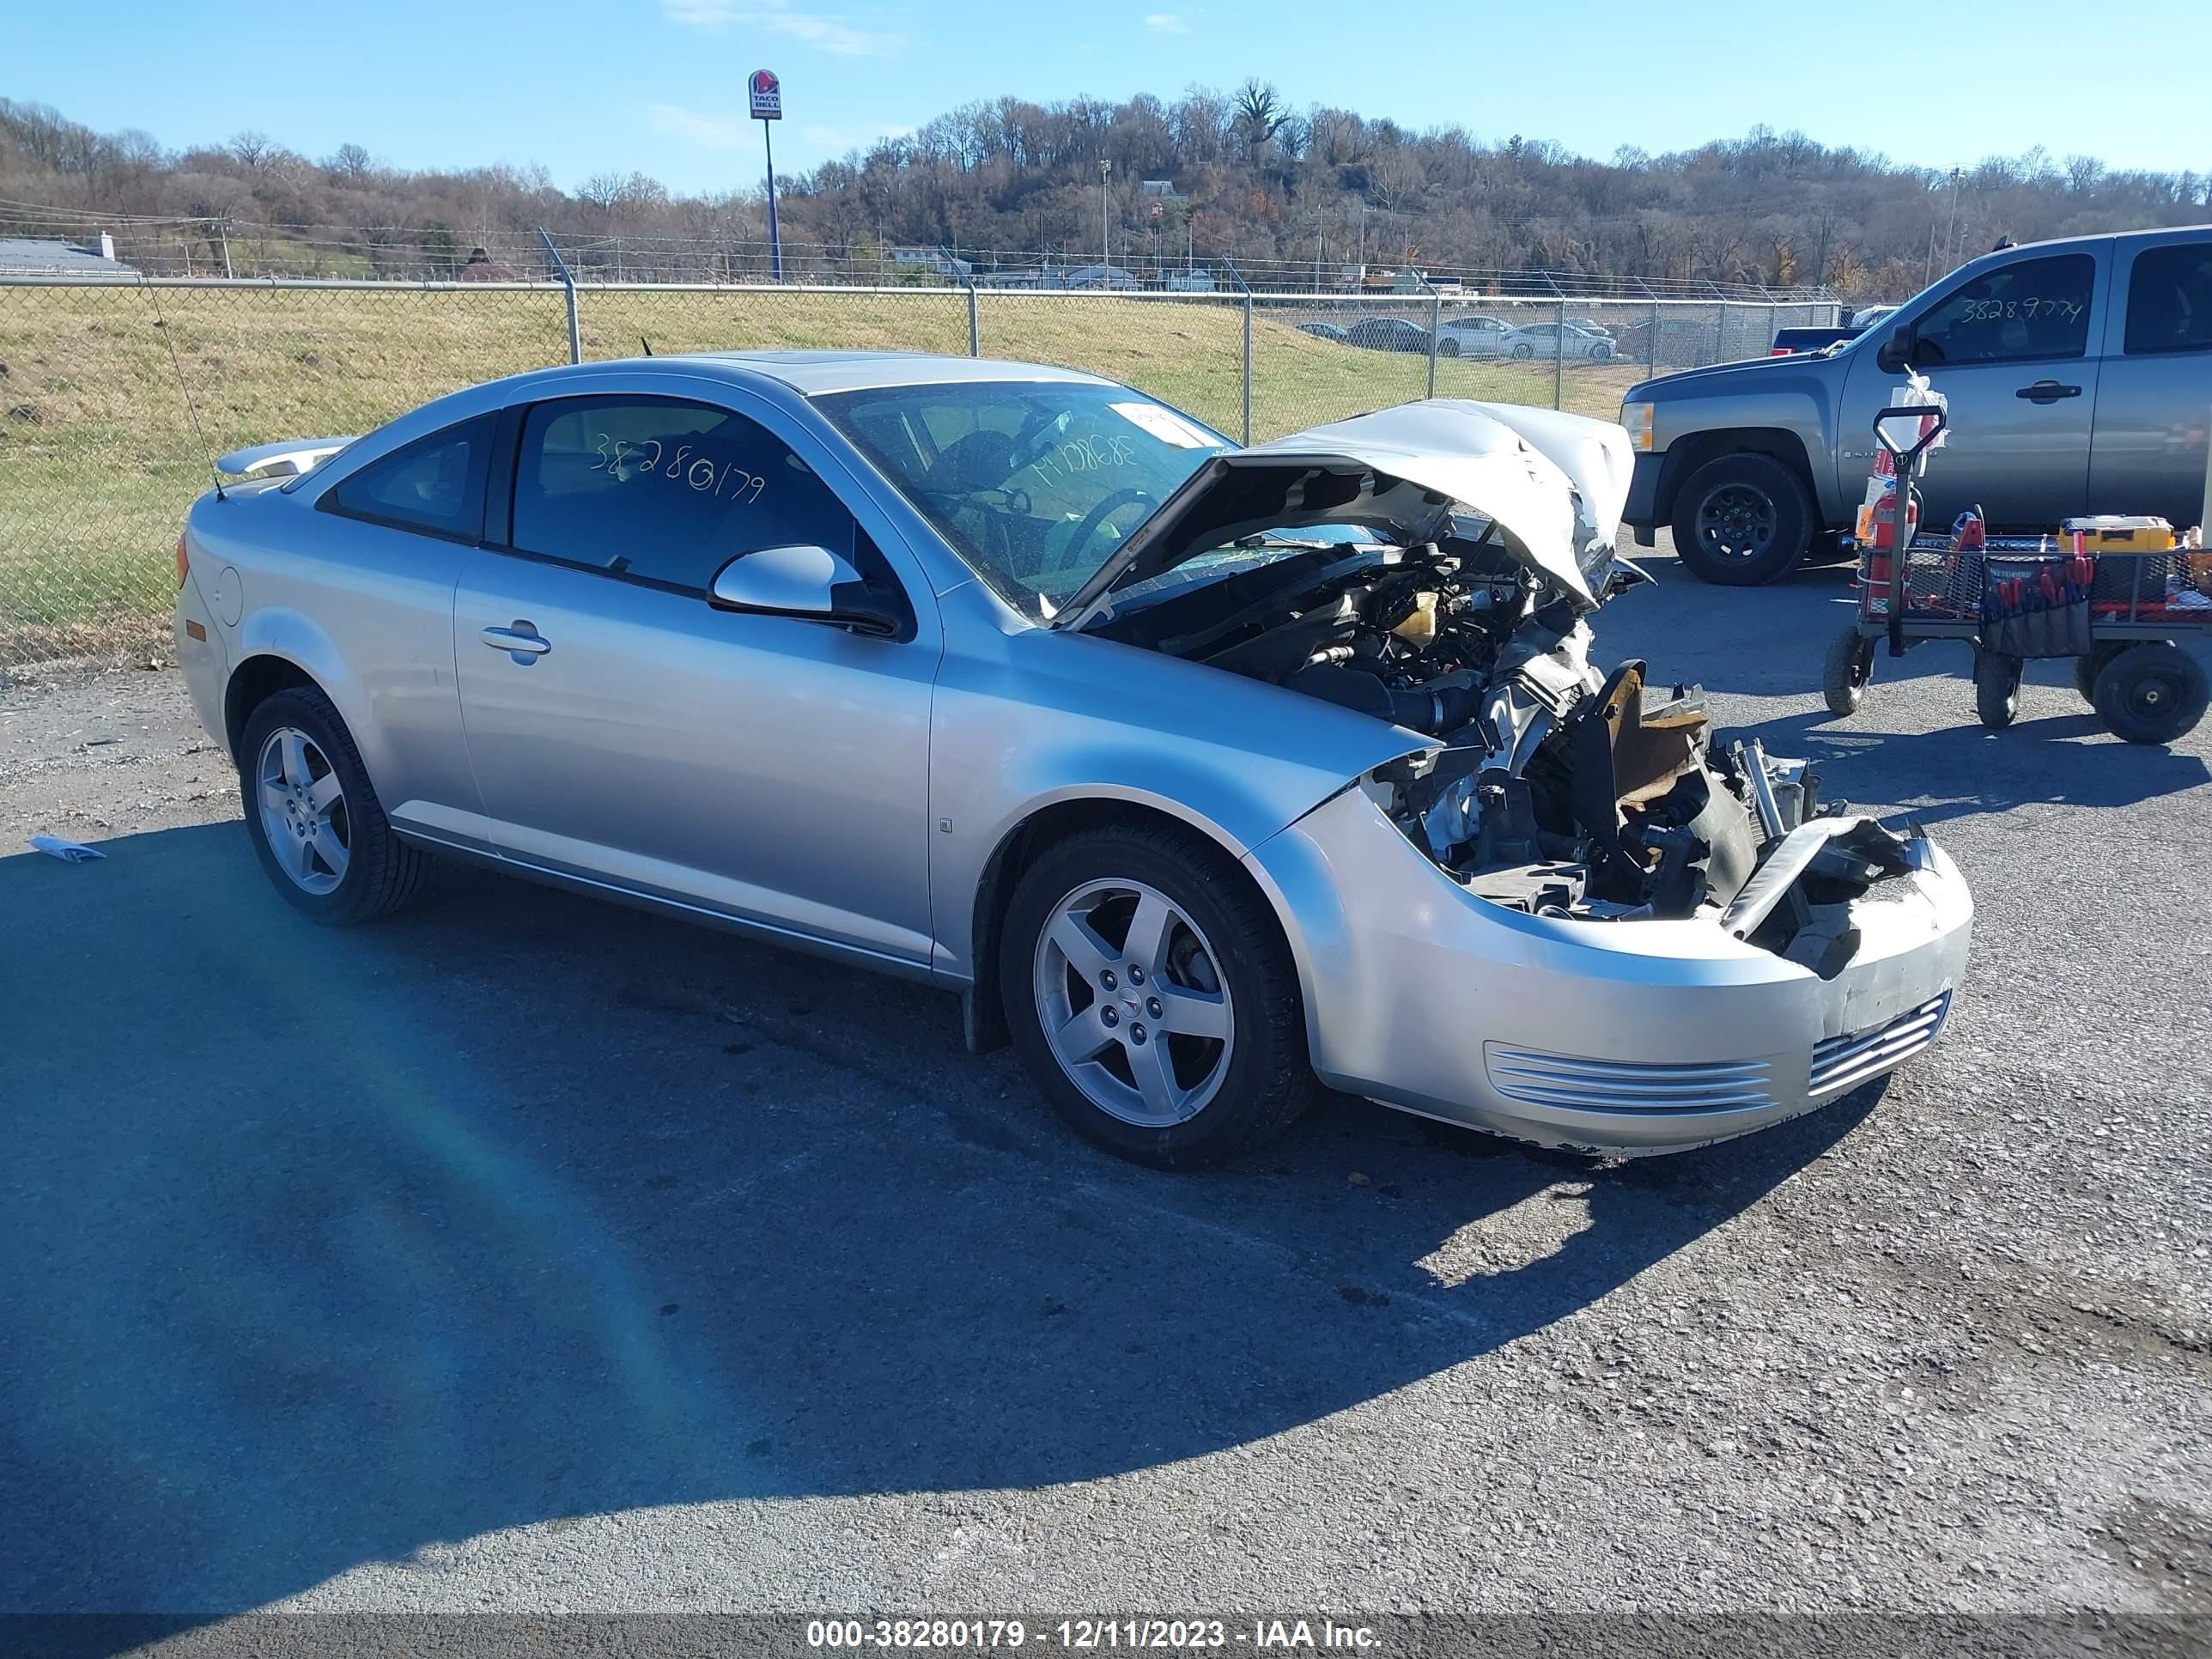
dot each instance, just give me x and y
(303, 810)
(1133, 1004)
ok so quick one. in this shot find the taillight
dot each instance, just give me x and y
(183, 561)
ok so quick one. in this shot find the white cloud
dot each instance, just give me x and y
(1160, 22)
(822, 30)
(701, 129)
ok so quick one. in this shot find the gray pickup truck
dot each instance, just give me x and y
(2079, 379)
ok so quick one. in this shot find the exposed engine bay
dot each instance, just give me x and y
(1556, 789)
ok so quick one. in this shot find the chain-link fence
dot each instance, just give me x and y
(115, 396)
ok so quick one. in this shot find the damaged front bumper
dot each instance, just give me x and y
(1623, 1037)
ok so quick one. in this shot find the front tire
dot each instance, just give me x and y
(1524, 351)
(316, 824)
(1601, 352)
(1151, 997)
(1448, 348)
(1742, 521)
(1845, 673)
(1996, 688)
(2152, 694)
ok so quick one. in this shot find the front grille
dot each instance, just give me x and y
(1620, 1085)
(1844, 1062)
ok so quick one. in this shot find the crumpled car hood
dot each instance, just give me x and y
(1553, 484)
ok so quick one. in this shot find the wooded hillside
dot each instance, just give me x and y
(1283, 192)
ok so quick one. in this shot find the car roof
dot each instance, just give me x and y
(812, 373)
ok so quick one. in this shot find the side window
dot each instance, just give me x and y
(2029, 309)
(2170, 300)
(436, 485)
(664, 490)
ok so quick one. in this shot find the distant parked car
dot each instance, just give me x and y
(1555, 340)
(1589, 325)
(1388, 334)
(1472, 337)
(1326, 331)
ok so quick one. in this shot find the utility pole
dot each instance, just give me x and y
(1105, 252)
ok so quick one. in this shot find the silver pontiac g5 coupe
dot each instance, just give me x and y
(1203, 773)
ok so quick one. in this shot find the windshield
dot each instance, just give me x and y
(1034, 483)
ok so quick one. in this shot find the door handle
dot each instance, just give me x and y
(2047, 391)
(522, 642)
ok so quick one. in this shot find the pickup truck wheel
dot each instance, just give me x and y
(1742, 521)
(1845, 675)
(2152, 693)
(1996, 688)
(1151, 997)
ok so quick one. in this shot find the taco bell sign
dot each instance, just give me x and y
(767, 106)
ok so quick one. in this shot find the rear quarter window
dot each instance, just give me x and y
(434, 486)
(2170, 300)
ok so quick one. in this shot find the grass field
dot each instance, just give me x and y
(99, 459)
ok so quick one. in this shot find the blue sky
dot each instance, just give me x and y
(585, 86)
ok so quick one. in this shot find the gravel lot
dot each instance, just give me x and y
(529, 1253)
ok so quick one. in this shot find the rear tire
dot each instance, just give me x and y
(1742, 521)
(1524, 351)
(1126, 1055)
(2088, 667)
(2152, 694)
(1448, 348)
(1846, 672)
(1601, 353)
(1996, 688)
(316, 824)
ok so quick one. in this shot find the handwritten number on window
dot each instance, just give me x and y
(623, 461)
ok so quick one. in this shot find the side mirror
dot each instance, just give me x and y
(1895, 356)
(807, 582)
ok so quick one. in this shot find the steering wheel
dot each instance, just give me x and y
(1097, 516)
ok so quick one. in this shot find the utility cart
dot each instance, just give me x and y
(2121, 617)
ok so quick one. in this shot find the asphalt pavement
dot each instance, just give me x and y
(529, 1253)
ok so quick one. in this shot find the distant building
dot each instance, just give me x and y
(932, 259)
(31, 256)
(1159, 190)
(1096, 276)
(482, 268)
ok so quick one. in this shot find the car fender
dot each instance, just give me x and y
(1034, 721)
(291, 635)
(1765, 405)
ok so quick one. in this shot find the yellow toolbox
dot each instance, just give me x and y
(2110, 533)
